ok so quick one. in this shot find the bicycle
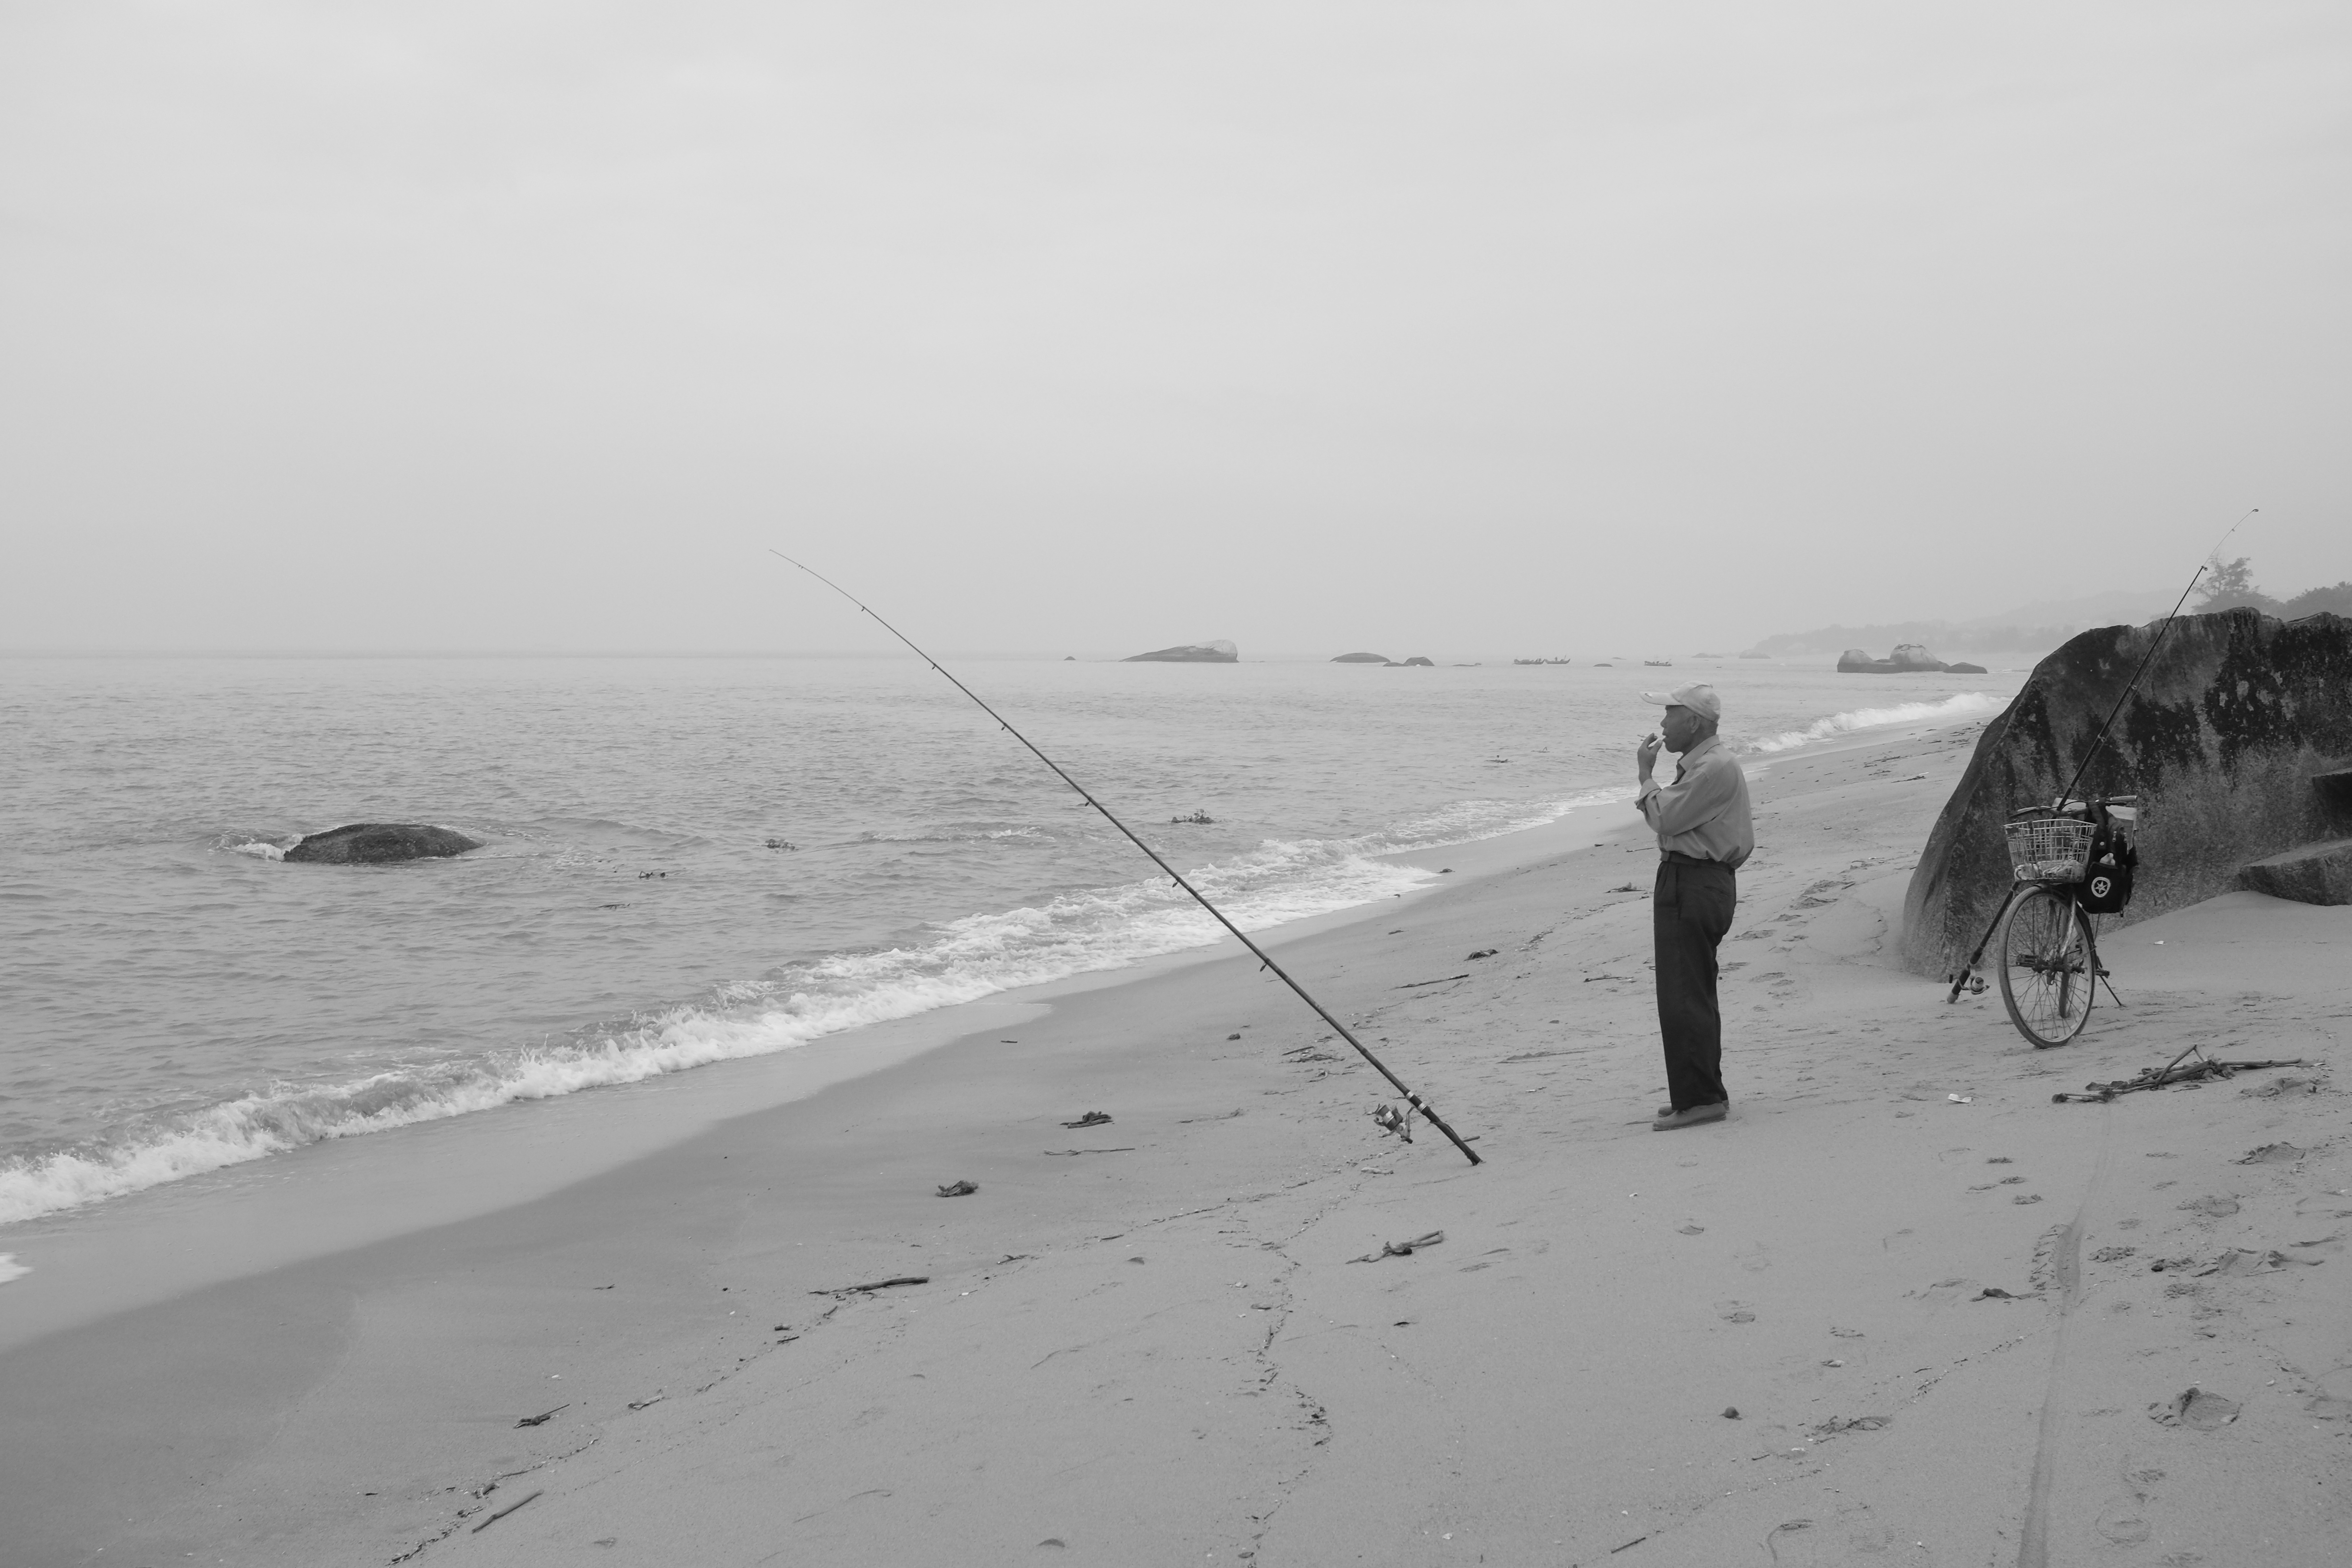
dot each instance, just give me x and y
(2049, 968)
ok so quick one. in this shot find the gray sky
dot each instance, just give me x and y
(1465, 329)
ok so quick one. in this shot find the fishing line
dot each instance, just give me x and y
(2212, 557)
(1175, 876)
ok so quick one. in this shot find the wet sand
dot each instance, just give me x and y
(1152, 1340)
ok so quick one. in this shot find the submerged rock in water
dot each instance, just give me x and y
(1363, 658)
(379, 843)
(2223, 741)
(1219, 652)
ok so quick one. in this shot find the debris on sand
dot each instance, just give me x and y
(2278, 1086)
(874, 1285)
(1837, 1424)
(958, 1189)
(2198, 1071)
(1400, 1248)
(2238, 1261)
(2271, 1155)
(2196, 1409)
(1091, 1118)
(506, 1511)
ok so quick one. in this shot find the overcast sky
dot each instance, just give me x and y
(1465, 329)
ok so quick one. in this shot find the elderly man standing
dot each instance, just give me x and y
(1704, 834)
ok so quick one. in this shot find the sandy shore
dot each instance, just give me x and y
(1157, 1341)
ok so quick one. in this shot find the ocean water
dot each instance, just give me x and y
(689, 860)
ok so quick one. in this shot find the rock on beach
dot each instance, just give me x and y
(2224, 741)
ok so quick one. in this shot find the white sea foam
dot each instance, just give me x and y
(967, 959)
(1966, 705)
(10, 1269)
(260, 848)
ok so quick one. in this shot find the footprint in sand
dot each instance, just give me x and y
(1800, 1540)
(2331, 1397)
(2121, 1523)
(1735, 1312)
(1853, 1536)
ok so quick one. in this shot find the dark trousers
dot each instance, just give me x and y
(1690, 916)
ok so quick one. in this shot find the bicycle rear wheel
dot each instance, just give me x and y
(2046, 967)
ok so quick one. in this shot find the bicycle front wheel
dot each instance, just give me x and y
(2046, 967)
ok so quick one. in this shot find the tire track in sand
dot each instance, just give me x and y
(2065, 1262)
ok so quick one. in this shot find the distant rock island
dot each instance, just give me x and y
(1384, 661)
(1909, 658)
(1219, 652)
(378, 844)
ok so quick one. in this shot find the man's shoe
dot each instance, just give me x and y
(1668, 1109)
(1691, 1118)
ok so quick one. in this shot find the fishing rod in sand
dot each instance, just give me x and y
(1960, 980)
(1175, 876)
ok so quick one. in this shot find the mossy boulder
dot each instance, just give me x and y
(2226, 741)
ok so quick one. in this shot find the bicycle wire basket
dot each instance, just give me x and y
(2049, 848)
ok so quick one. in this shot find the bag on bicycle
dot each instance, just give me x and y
(2107, 879)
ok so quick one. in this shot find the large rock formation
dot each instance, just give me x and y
(1907, 658)
(377, 843)
(1219, 652)
(2314, 874)
(2222, 742)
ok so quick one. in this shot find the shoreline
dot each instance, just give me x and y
(209, 1153)
(154, 1243)
(82, 1264)
(1546, 1384)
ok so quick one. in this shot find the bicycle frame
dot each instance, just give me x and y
(2096, 810)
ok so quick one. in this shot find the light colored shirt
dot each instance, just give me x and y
(1703, 813)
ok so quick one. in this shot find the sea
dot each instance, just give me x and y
(687, 861)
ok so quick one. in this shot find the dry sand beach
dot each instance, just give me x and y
(1863, 1321)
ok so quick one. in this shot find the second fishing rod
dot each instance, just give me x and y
(1426, 1110)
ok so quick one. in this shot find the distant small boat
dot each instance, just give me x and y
(1539, 661)
(1658, 663)
(1604, 666)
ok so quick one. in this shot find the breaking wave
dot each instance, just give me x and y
(964, 960)
(10, 1269)
(1966, 705)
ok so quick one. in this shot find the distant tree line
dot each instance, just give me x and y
(2231, 586)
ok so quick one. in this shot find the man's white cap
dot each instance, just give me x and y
(1699, 699)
